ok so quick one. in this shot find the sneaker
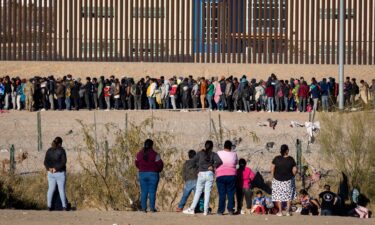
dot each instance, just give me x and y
(179, 209)
(188, 211)
(206, 213)
(279, 214)
(288, 214)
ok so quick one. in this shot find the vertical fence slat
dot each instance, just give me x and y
(173, 10)
(182, 41)
(120, 17)
(167, 29)
(96, 26)
(162, 28)
(20, 32)
(249, 6)
(197, 30)
(371, 29)
(365, 34)
(156, 16)
(132, 29)
(142, 17)
(239, 32)
(152, 36)
(323, 49)
(291, 34)
(14, 23)
(271, 33)
(360, 30)
(208, 31)
(306, 16)
(112, 43)
(128, 22)
(355, 30)
(297, 32)
(2, 25)
(188, 28)
(317, 37)
(333, 37)
(285, 34)
(329, 50)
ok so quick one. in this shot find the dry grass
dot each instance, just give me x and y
(348, 141)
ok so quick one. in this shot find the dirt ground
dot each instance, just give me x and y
(14, 217)
(190, 131)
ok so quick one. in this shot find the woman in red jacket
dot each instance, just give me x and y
(149, 165)
(303, 94)
(270, 92)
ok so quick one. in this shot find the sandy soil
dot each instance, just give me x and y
(190, 131)
(10, 217)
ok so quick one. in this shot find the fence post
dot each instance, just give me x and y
(39, 130)
(220, 131)
(126, 123)
(12, 164)
(96, 135)
(209, 122)
(300, 167)
(106, 149)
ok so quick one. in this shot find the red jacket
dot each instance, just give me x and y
(270, 91)
(153, 163)
(303, 91)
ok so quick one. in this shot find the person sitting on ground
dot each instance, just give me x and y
(189, 175)
(328, 200)
(309, 205)
(259, 204)
(244, 177)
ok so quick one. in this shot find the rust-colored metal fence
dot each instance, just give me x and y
(205, 31)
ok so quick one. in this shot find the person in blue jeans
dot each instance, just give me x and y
(189, 175)
(55, 163)
(207, 161)
(149, 164)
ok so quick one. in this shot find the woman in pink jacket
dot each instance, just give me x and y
(226, 178)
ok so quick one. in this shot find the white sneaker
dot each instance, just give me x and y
(279, 214)
(188, 211)
(206, 214)
(288, 214)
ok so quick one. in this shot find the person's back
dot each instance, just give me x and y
(228, 168)
(328, 201)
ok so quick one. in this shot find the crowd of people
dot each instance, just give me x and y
(233, 181)
(224, 93)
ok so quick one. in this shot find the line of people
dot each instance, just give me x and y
(233, 181)
(231, 93)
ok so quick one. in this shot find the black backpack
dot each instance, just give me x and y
(136, 90)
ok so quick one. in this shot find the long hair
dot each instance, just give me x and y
(146, 148)
(208, 146)
(57, 142)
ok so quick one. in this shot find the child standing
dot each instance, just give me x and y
(244, 177)
(189, 175)
(259, 204)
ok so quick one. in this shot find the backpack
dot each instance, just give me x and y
(136, 90)
(356, 89)
(2, 89)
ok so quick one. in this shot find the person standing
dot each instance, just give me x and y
(207, 162)
(189, 175)
(226, 178)
(244, 177)
(315, 93)
(60, 93)
(203, 92)
(150, 165)
(324, 89)
(55, 163)
(363, 91)
(328, 201)
(283, 170)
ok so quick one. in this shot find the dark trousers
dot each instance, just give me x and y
(241, 193)
(101, 101)
(149, 184)
(87, 101)
(312, 209)
(226, 186)
(138, 102)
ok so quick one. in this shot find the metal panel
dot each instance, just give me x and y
(371, 29)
